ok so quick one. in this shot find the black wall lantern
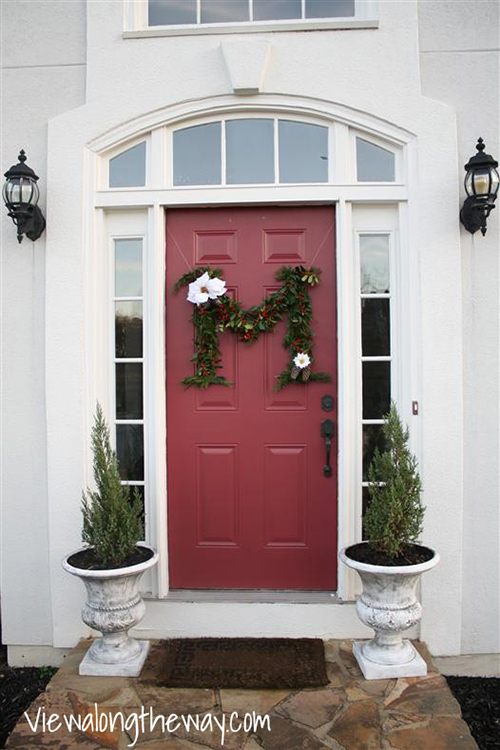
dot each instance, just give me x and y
(21, 194)
(481, 186)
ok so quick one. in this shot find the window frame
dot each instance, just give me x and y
(366, 15)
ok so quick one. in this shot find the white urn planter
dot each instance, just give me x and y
(390, 606)
(113, 606)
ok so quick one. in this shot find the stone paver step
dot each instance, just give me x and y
(416, 713)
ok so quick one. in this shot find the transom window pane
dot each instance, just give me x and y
(197, 155)
(329, 8)
(224, 11)
(128, 268)
(249, 151)
(166, 12)
(303, 151)
(374, 253)
(274, 10)
(129, 168)
(375, 164)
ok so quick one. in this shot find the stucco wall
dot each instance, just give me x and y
(462, 68)
(43, 74)
(375, 71)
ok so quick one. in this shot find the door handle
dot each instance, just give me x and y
(327, 432)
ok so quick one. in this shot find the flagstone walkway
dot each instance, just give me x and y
(350, 713)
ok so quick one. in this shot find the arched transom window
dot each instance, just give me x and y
(254, 149)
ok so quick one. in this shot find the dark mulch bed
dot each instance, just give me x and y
(237, 663)
(18, 689)
(479, 699)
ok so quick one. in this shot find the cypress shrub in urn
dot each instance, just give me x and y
(391, 561)
(111, 564)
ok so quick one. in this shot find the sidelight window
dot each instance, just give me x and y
(376, 348)
(129, 361)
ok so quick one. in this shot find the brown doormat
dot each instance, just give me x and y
(236, 663)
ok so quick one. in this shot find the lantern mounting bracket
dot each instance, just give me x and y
(30, 222)
(474, 215)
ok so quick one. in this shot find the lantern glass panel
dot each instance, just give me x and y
(495, 180)
(468, 183)
(481, 181)
(22, 190)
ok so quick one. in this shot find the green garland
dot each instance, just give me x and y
(216, 316)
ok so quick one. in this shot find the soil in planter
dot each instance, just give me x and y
(368, 553)
(85, 559)
(479, 699)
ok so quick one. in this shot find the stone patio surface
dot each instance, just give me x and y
(417, 713)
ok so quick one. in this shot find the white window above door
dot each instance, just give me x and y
(185, 17)
(176, 12)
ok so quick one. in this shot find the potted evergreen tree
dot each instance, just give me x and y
(111, 564)
(391, 561)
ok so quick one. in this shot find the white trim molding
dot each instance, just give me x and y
(218, 106)
(140, 211)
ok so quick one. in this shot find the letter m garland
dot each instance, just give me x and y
(222, 313)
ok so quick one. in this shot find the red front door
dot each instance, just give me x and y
(248, 503)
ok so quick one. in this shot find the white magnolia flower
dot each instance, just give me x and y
(205, 288)
(216, 288)
(302, 360)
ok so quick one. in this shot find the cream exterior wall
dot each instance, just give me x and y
(463, 69)
(43, 74)
(47, 413)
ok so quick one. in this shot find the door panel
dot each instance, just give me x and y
(248, 504)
